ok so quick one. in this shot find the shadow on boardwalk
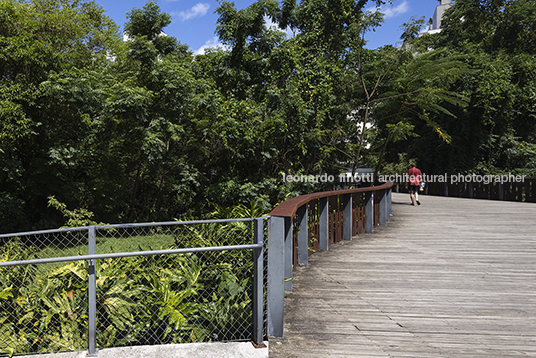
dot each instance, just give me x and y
(450, 278)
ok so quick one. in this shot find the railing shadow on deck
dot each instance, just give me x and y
(312, 222)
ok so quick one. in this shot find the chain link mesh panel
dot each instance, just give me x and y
(195, 297)
(43, 307)
(141, 300)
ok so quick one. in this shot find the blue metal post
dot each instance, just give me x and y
(289, 253)
(389, 202)
(258, 276)
(383, 207)
(471, 189)
(347, 202)
(276, 275)
(92, 294)
(303, 234)
(369, 211)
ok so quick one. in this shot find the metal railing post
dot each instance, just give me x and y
(369, 211)
(323, 224)
(92, 294)
(347, 231)
(258, 277)
(389, 202)
(276, 275)
(383, 207)
(471, 190)
(289, 253)
(303, 234)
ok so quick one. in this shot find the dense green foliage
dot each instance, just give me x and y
(496, 131)
(144, 130)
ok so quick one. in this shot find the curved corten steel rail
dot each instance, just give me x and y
(335, 215)
(288, 208)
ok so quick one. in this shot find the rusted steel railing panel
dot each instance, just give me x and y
(314, 226)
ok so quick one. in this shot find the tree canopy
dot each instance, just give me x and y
(142, 129)
(495, 132)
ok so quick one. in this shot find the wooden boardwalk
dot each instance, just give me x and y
(450, 278)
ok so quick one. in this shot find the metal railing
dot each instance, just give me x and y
(173, 282)
(136, 284)
(523, 190)
(313, 222)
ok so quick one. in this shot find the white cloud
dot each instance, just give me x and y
(196, 11)
(212, 43)
(390, 12)
(270, 24)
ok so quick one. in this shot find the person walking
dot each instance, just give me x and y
(414, 177)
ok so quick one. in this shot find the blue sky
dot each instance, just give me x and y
(194, 22)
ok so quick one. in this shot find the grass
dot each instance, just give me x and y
(112, 244)
(134, 243)
(107, 245)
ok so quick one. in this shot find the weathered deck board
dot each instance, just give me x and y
(450, 278)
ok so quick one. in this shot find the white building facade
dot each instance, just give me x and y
(435, 23)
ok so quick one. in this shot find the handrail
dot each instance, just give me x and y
(128, 226)
(115, 255)
(289, 207)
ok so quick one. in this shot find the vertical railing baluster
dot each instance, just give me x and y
(303, 234)
(347, 229)
(276, 274)
(471, 195)
(258, 278)
(92, 294)
(369, 211)
(383, 207)
(289, 253)
(389, 202)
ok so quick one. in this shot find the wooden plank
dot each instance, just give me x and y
(453, 277)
